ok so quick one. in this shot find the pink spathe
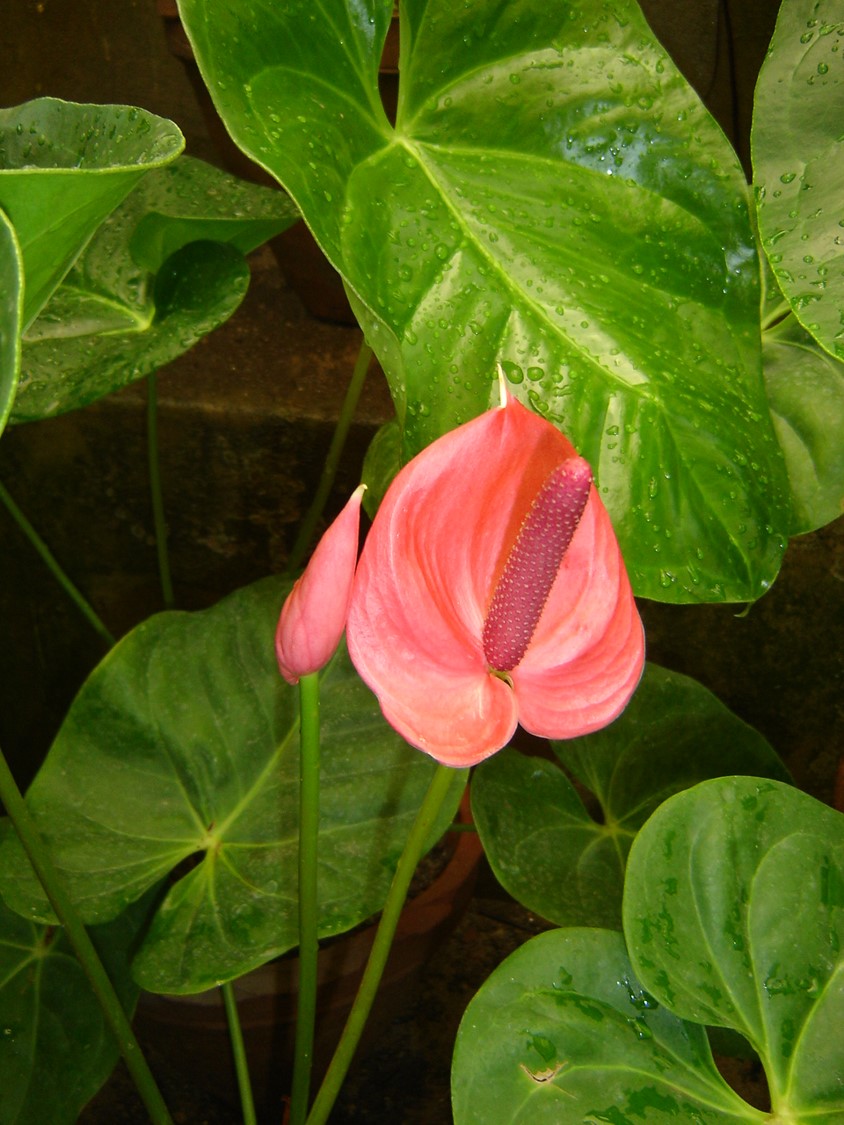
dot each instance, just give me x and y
(314, 615)
(491, 592)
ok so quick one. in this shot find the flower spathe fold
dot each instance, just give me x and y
(314, 614)
(491, 592)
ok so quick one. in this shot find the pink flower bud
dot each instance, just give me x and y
(314, 615)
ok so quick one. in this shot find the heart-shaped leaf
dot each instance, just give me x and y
(562, 1033)
(179, 759)
(63, 168)
(554, 197)
(541, 842)
(734, 915)
(163, 270)
(798, 162)
(56, 1049)
(11, 311)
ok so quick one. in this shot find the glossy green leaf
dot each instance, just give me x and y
(562, 1033)
(798, 163)
(98, 347)
(539, 838)
(63, 168)
(161, 272)
(734, 915)
(55, 1048)
(806, 392)
(554, 197)
(11, 307)
(179, 759)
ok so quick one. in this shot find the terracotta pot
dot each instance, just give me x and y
(193, 1029)
(301, 261)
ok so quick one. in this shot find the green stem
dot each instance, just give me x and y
(241, 1066)
(332, 460)
(87, 955)
(413, 849)
(308, 906)
(85, 608)
(154, 470)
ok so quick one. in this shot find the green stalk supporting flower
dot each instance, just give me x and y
(309, 630)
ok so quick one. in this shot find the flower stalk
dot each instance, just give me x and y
(241, 1065)
(308, 895)
(414, 847)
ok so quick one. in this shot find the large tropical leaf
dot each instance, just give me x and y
(179, 760)
(63, 168)
(164, 269)
(798, 163)
(553, 197)
(734, 916)
(544, 846)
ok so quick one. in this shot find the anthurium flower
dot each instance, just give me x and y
(314, 615)
(491, 591)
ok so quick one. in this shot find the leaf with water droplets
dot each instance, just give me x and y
(63, 168)
(556, 198)
(798, 163)
(562, 1033)
(806, 390)
(734, 916)
(163, 270)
